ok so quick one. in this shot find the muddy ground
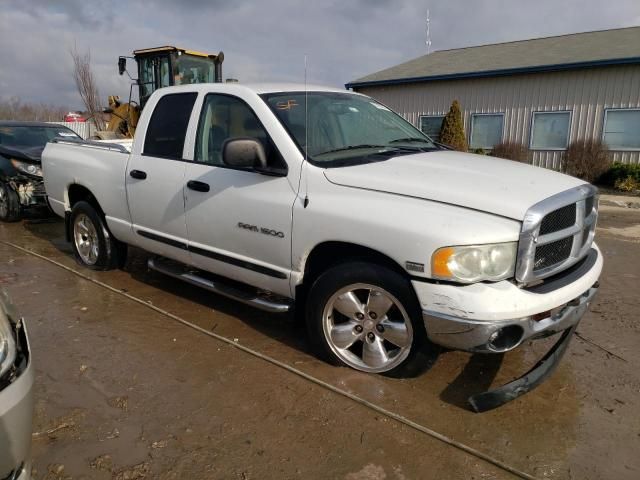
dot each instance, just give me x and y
(126, 391)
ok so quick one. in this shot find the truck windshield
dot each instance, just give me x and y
(340, 129)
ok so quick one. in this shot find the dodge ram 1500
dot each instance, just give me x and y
(328, 201)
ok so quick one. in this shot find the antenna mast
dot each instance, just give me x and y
(428, 40)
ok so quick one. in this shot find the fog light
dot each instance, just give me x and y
(506, 338)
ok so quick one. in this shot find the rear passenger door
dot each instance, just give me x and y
(239, 221)
(155, 179)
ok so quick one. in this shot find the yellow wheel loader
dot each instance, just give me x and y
(158, 67)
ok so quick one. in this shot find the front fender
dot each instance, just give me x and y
(405, 229)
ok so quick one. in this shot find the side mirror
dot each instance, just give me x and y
(244, 152)
(122, 65)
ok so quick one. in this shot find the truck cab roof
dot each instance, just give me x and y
(258, 88)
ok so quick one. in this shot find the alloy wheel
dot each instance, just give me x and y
(367, 328)
(86, 239)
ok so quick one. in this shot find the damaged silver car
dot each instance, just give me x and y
(16, 394)
(21, 185)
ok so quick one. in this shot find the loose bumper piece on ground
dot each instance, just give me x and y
(481, 402)
(500, 337)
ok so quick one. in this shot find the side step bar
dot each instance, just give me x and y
(248, 296)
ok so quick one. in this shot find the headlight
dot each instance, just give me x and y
(7, 340)
(28, 168)
(475, 263)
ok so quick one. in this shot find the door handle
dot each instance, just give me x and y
(139, 174)
(198, 186)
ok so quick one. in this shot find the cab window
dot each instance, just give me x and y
(224, 117)
(168, 126)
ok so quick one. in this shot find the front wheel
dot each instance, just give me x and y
(367, 317)
(9, 204)
(93, 244)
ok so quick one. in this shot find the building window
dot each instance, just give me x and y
(550, 130)
(431, 125)
(486, 130)
(622, 129)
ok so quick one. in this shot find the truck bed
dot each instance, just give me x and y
(100, 167)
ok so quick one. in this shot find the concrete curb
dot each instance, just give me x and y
(620, 201)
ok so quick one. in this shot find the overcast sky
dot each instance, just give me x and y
(267, 40)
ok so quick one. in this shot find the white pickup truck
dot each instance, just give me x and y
(323, 199)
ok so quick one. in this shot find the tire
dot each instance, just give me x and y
(9, 204)
(367, 317)
(93, 245)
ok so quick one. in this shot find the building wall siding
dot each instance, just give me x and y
(586, 93)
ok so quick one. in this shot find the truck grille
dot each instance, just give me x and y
(552, 253)
(559, 219)
(556, 233)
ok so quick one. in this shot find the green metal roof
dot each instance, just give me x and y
(578, 50)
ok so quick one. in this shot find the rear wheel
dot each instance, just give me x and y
(9, 204)
(367, 317)
(93, 244)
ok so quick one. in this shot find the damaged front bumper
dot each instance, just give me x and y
(496, 318)
(31, 192)
(498, 337)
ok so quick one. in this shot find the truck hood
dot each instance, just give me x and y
(480, 182)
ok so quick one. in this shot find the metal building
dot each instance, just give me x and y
(542, 93)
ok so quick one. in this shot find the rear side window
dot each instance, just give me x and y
(168, 126)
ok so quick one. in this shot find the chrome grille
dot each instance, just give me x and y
(556, 233)
(551, 253)
(559, 219)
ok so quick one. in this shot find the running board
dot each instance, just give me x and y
(248, 296)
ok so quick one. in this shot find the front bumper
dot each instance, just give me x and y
(16, 418)
(497, 337)
(495, 318)
(31, 192)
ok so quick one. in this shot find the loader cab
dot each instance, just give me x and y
(167, 66)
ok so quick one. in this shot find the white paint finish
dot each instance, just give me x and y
(241, 197)
(401, 227)
(99, 170)
(502, 300)
(157, 203)
(404, 208)
(585, 92)
(474, 181)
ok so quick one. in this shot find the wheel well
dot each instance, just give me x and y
(77, 193)
(328, 254)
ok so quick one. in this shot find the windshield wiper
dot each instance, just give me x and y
(409, 139)
(352, 147)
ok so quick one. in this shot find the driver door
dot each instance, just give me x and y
(239, 221)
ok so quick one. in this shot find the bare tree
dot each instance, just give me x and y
(87, 87)
(15, 109)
